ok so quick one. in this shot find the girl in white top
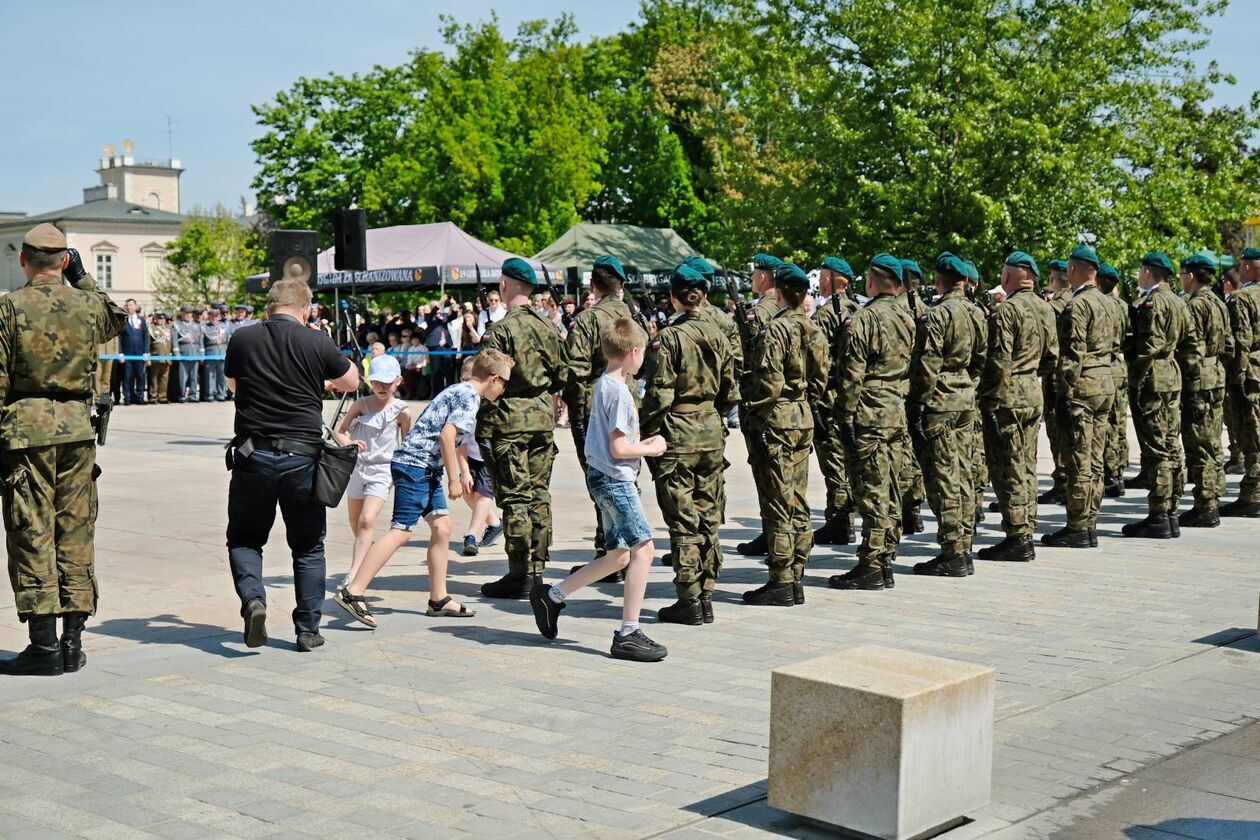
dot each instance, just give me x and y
(375, 424)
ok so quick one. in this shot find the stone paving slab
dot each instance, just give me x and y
(1108, 661)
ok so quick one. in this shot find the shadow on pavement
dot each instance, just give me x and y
(168, 629)
(1221, 638)
(495, 636)
(1203, 828)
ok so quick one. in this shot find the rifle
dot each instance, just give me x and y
(741, 317)
(636, 312)
(481, 294)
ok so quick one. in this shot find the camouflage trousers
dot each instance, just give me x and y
(689, 490)
(1234, 402)
(1249, 443)
(1117, 457)
(946, 451)
(751, 443)
(50, 527)
(909, 474)
(1087, 426)
(835, 473)
(875, 470)
(1011, 442)
(1157, 419)
(1056, 432)
(979, 468)
(577, 425)
(1202, 415)
(520, 466)
(781, 458)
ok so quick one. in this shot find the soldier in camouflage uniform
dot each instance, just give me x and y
(759, 314)
(690, 377)
(980, 467)
(1245, 321)
(160, 369)
(788, 370)
(1054, 403)
(516, 432)
(1085, 386)
(584, 357)
(1203, 397)
(837, 529)
(910, 479)
(948, 360)
(875, 356)
(1231, 283)
(1117, 454)
(1023, 346)
(49, 332)
(1167, 349)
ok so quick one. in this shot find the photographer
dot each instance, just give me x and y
(48, 331)
(278, 373)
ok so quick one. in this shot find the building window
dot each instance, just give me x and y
(105, 270)
(152, 268)
(153, 199)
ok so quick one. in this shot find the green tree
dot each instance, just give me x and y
(209, 260)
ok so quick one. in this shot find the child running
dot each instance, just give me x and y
(484, 526)
(613, 453)
(374, 424)
(417, 469)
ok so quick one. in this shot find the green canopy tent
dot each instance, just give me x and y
(651, 253)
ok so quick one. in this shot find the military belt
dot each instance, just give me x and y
(691, 408)
(77, 396)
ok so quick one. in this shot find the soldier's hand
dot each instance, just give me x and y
(74, 270)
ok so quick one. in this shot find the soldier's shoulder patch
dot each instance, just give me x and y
(656, 344)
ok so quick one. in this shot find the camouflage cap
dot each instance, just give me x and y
(518, 269)
(701, 265)
(766, 262)
(791, 275)
(838, 265)
(950, 263)
(1022, 259)
(888, 263)
(45, 237)
(1084, 253)
(1154, 259)
(612, 264)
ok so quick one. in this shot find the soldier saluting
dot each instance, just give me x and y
(47, 452)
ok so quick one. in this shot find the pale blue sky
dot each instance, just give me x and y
(111, 71)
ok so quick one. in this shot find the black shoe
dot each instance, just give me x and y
(890, 580)
(470, 546)
(637, 647)
(667, 561)
(493, 532)
(912, 519)
(72, 656)
(706, 608)
(546, 611)
(837, 530)
(616, 577)
(994, 507)
(971, 563)
(1200, 518)
(756, 547)
(798, 592)
(943, 566)
(1250, 510)
(770, 595)
(42, 657)
(307, 642)
(1011, 549)
(1067, 538)
(1093, 537)
(1153, 527)
(826, 535)
(683, 611)
(513, 586)
(1137, 482)
(1114, 489)
(1235, 467)
(1053, 496)
(1174, 525)
(255, 615)
(859, 577)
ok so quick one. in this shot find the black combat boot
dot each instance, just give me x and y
(756, 547)
(798, 592)
(943, 565)
(706, 608)
(995, 507)
(1174, 524)
(770, 595)
(513, 586)
(1208, 517)
(1114, 487)
(72, 656)
(1056, 495)
(1137, 482)
(1153, 527)
(836, 531)
(912, 519)
(1093, 537)
(1235, 466)
(1011, 549)
(1067, 538)
(1238, 507)
(683, 611)
(859, 577)
(42, 657)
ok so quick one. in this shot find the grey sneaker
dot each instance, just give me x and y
(307, 642)
(637, 647)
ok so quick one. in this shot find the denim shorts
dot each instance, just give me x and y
(625, 526)
(417, 493)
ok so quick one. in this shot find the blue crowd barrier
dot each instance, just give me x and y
(120, 357)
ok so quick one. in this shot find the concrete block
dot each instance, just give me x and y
(881, 742)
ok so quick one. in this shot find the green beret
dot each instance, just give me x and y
(909, 267)
(1058, 265)
(686, 277)
(1108, 271)
(1084, 253)
(1154, 259)
(1020, 259)
(889, 263)
(1227, 262)
(790, 274)
(701, 265)
(838, 266)
(947, 263)
(1251, 254)
(518, 269)
(973, 273)
(611, 264)
(766, 262)
(1200, 261)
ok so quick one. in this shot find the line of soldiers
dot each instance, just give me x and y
(905, 400)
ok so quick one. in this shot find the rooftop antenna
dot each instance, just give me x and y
(170, 135)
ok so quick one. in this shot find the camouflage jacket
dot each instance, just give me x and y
(726, 323)
(584, 352)
(1023, 344)
(1244, 309)
(1120, 321)
(690, 375)
(1211, 322)
(950, 356)
(1086, 334)
(787, 372)
(1166, 345)
(534, 345)
(49, 334)
(878, 341)
(830, 319)
(758, 315)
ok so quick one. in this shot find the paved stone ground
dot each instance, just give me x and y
(1108, 661)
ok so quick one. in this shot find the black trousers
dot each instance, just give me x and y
(262, 481)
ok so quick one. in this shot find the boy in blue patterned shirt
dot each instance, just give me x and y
(417, 467)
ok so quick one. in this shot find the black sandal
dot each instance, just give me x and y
(356, 605)
(436, 609)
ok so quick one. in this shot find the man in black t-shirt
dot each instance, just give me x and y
(278, 372)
